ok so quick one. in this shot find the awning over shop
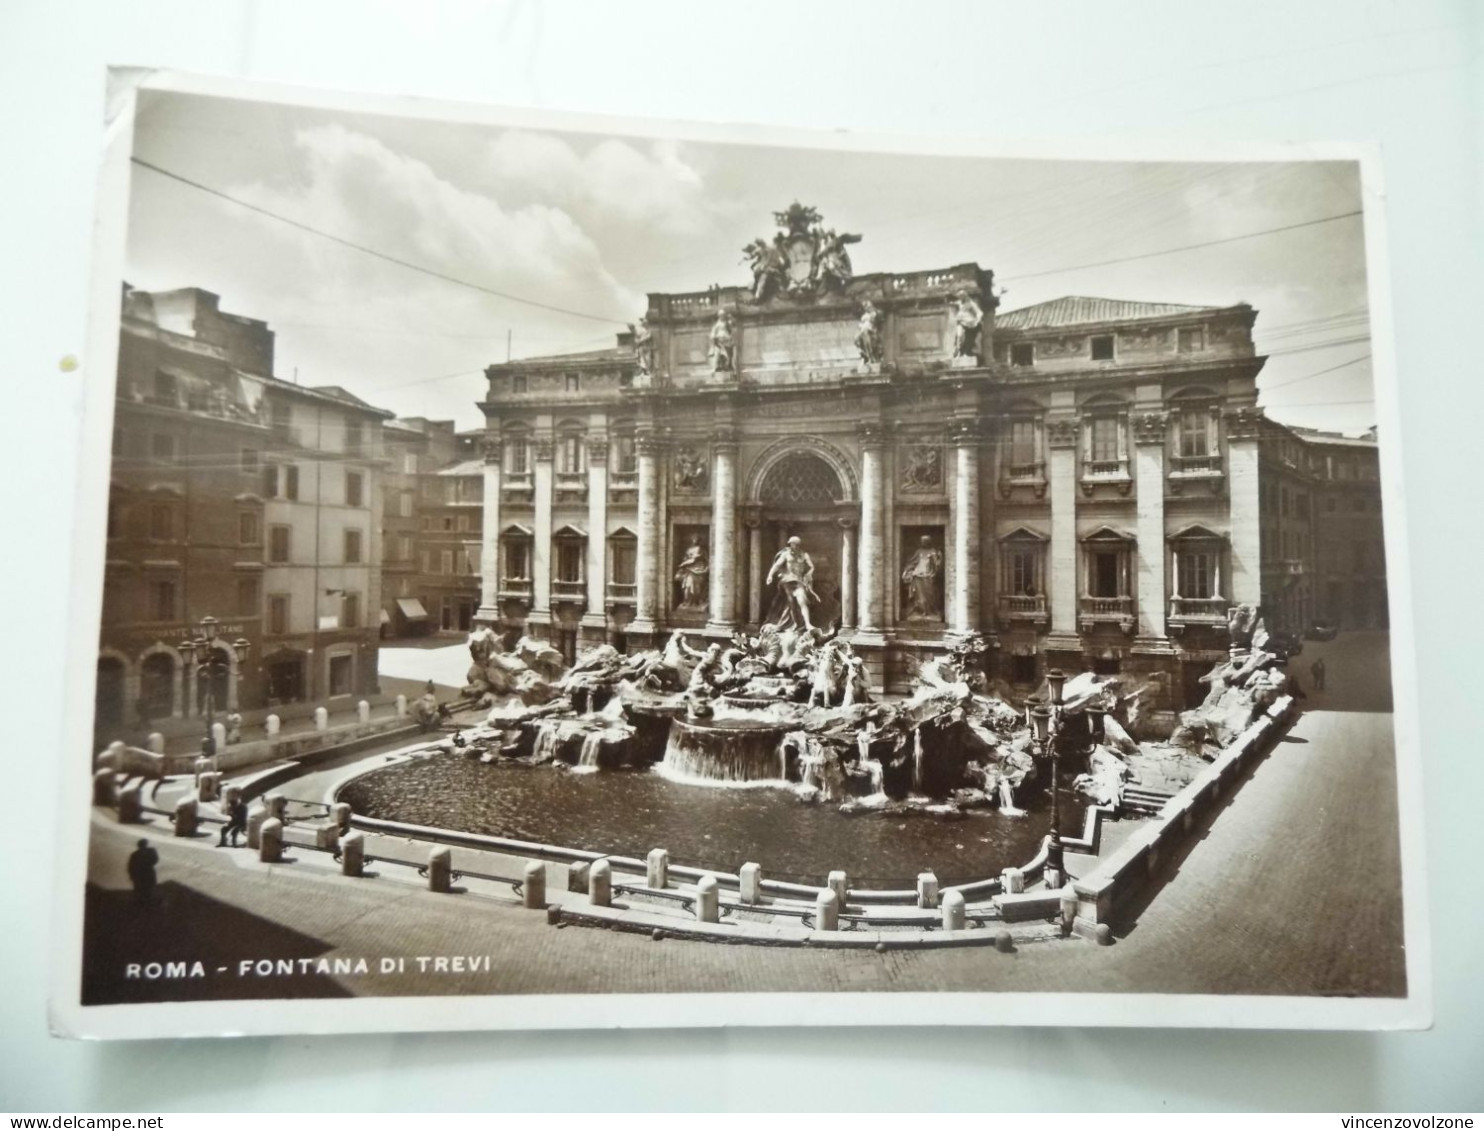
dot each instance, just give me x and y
(386, 617)
(412, 608)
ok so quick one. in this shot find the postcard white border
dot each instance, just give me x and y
(69, 1017)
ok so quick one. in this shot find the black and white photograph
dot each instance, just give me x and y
(547, 571)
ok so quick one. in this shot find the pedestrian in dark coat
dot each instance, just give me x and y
(142, 863)
(1316, 672)
(236, 822)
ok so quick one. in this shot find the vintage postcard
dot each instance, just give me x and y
(553, 571)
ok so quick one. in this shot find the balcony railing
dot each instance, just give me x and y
(1019, 606)
(622, 593)
(1024, 472)
(515, 587)
(1211, 609)
(1104, 469)
(569, 590)
(1196, 465)
(1107, 608)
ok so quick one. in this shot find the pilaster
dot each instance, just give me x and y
(1061, 474)
(489, 538)
(541, 481)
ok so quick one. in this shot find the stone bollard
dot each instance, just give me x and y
(954, 916)
(257, 816)
(270, 841)
(1068, 909)
(1003, 942)
(155, 743)
(353, 855)
(533, 891)
(708, 900)
(751, 877)
(340, 815)
(927, 889)
(131, 806)
(209, 788)
(1103, 934)
(276, 804)
(218, 737)
(826, 911)
(114, 755)
(577, 876)
(657, 868)
(837, 882)
(105, 788)
(401, 706)
(230, 794)
(600, 884)
(321, 719)
(363, 712)
(440, 870)
(186, 818)
(1012, 881)
(327, 836)
(272, 725)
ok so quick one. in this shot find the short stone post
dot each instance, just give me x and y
(210, 786)
(155, 743)
(401, 706)
(533, 890)
(363, 711)
(751, 883)
(440, 870)
(186, 817)
(353, 855)
(1012, 881)
(826, 911)
(321, 719)
(270, 841)
(327, 836)
(105, 788)
(837, 882)
(954, 916)
(657, 868)
(708, 901)
(257, 817)
(272, 725)
(927, 889)
(577, 876)
(340, 815)
(131, 806)
(600, 884)
(1068, 909)
(218, 737)
(276, 804)
(114, 755)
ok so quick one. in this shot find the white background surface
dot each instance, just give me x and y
(1403, 74)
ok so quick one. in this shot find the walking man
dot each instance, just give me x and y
(142, 863)
(236, 822)
(1316, 673)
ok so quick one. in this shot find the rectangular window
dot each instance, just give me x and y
(278, 614)
(425, 522)
(625, 559)
(1023, 353)
(291, 482)
(165, 390)
(280, 416)
(352, 547)
(278, 544)
(1022, 444)
(569, 455)
(247, 596)
(518, 561)
(1197, 574)
(1191, 339)
(162, 522)
(1104, 574)
(447, 524)
(248, 532)
(350, 611)
(404, 504)
(569, 561)
(519, 383)
(354, 483)
(354, 439)
(404, 547)
(1104, 439)
(250, 461)
(270, 481)
(518, 457)
(342, 669)
(471, 558)
(162, 447)
(445, 561)
(162, 600)
(463, 524)
(625, 458)
(574, 383)
(1194, 437)
(426, 561)
(409, 463)
(1102, 347)
(1021, 567)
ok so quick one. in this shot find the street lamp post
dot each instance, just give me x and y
(1047, 722)
(210, 660)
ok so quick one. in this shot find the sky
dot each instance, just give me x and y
(571, 230)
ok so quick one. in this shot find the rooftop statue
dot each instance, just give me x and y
(968, 320)
(723, 345)
(803, 259)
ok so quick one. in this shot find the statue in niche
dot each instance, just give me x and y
(691, 575)
(921, 579)
(723, 345)
(769, 265)
(793, 570)
(643, 351)
(868, 337)
(924, 468)
(690, 470)
(968, 320)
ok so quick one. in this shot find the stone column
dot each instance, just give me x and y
(1242, 428)
(191, 681)
(1149, 485)
(646, 591)
(755, 566)
(963, 601)
(847, 571)
(1061, 475)
(594, 626)
(723, 618)
(871, 568)
(540, 613)
(489, 538)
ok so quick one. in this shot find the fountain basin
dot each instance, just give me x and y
(725, 751)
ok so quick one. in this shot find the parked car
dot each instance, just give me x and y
(1285, 645)
(1321, 631)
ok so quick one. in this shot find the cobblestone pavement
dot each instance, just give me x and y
(1293, 889)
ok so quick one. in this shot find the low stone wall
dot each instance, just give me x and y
(286, 747)
(1124, 875)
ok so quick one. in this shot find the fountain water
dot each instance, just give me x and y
(548, 739)
(724, 751)
(917, 761)
(587, 760)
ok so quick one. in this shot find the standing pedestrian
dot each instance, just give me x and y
(236, 822)
(142, 863)
(1316, 673)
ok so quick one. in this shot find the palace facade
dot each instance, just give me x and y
(1078, 480)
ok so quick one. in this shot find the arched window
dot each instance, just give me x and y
(623, 452)
(801, 480)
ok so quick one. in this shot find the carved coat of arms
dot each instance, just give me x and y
(804, 258)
